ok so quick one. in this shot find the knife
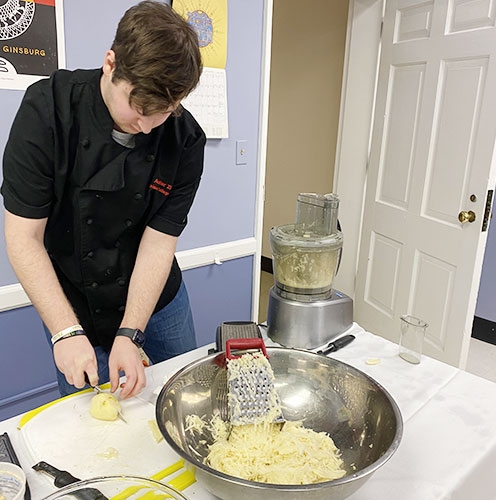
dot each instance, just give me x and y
(64, 478)
(98, 391)
(337, 344)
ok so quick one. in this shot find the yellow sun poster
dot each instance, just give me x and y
(209, 20)
(208, 101)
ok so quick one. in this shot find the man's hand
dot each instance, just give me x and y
(74, 356)
(125, 356)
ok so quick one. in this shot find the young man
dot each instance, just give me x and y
(100, 170)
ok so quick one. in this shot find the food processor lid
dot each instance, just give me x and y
(291, 236)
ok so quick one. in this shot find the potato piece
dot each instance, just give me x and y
(104, 406)
(157, 435)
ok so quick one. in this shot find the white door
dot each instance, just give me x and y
(431, 159)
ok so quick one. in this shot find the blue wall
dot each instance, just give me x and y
(224, 209)
(486, 300)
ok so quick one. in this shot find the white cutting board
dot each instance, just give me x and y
(65, 435)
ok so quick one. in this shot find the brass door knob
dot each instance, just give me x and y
(464, 216)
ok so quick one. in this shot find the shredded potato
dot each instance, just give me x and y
(267, 453)
(261, 450)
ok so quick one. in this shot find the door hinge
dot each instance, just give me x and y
(487, 210)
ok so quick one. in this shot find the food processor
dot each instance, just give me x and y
(304, 311)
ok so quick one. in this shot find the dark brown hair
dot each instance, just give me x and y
(157, 52)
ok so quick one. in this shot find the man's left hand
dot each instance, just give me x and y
(125, 356)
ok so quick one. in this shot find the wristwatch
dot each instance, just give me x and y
(136, 335)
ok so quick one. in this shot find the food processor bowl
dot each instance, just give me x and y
(304, 263)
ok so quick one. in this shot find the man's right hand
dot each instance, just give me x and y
(75, 356)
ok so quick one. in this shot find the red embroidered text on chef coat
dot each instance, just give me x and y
(161, 186)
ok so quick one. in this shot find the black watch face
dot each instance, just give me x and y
(139, 337)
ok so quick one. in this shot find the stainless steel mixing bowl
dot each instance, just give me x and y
(325, 394)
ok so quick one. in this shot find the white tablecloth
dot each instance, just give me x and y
(448, 449)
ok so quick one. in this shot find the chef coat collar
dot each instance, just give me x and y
(103, 118)
(101, 114)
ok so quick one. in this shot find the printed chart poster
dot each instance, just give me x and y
(31, 38)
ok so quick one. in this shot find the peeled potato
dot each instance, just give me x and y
(104, 406)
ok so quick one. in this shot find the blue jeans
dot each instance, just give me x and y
(169, 332)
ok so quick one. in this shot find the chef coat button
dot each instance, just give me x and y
(98, 196)
(85, 142)
(121, 282)
(129, 222)
(98, 311)
(121, 308)
(150, 158)
(89, 221)
(90, 254)
(108, 272)
(138, 196)
(94, 284)
(117, 244)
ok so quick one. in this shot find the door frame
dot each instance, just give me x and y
(262, 154)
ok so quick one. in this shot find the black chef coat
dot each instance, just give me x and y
(61, 162)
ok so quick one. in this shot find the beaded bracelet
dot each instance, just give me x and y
(68, 332)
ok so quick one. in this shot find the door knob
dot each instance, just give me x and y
(465, 216)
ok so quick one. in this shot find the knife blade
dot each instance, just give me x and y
(337, 344)
(98, 391)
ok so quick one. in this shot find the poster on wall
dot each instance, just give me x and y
(208, 102)
(32, 41)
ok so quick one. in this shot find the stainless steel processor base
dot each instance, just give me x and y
(307, 325)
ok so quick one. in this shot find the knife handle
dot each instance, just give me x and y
(61, 477)
(94, 387)
(337, 344)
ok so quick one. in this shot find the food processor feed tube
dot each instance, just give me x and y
(304, 311)
(317, 214)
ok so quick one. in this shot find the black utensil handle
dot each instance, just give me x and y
(89, 494)
(60, 477)
(63, 478)
(337, 344)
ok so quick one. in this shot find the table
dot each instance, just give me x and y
(448, 449)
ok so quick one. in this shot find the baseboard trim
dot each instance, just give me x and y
(14, 296)
(28, 400)
(484, 329)
(266, 265)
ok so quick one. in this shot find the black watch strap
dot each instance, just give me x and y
(135, 334)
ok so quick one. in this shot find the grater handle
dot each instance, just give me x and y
(249, 343)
